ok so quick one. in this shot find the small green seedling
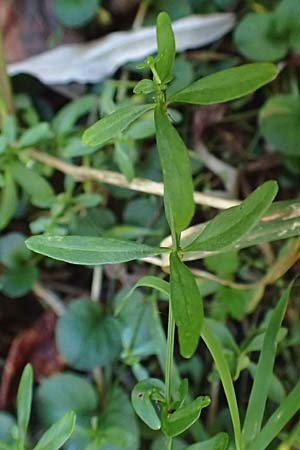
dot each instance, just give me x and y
(167, 406)
(53, 439)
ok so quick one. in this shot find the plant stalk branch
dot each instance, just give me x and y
(82, 173)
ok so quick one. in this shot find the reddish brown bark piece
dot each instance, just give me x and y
(35, 345)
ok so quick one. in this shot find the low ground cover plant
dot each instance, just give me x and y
(165, 405)
(122, 342)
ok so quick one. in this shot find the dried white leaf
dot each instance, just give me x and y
(94, 61)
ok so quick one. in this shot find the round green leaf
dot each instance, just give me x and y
(16, 282)
(256, 39)
(7, 422)
(279, 123)
(143, 401)
(86, 337)
(62, 393)
(287, 14)
(13, 251)
(75, 13)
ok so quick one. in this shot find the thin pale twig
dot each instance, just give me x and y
(115, 178)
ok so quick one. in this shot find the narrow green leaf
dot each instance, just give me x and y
(178, 194)
(123, 160)
(35, 134)
(65, 120)
(183, 418)
(39, 190)
(218, 442)
(58, 434)
(143, 401)
(263, 374)
(90, 250)
(111, 126)
(281, 221)
(187, 307)
(24, 399)
(147, 281)
(227, 84)
(281, 416)
(8, 201)
(233, 223)
(218, 356)
(166, 47)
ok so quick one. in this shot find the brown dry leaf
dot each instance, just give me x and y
(27, 25)
(35, 345)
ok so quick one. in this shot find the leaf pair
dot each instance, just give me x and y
(149, 403)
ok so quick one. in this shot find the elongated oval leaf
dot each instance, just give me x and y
(183, 418)
(166, 47)
(147, 281)
(178, 183)
(233, 223)
(24, 399)
(58, 434)
(263, 374)
(186, 304)
(143, 401)
(227, 84)
(8, 201)
(111, 126)
(90, 250)
(39, 190)
(36, 134)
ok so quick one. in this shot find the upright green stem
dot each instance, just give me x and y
(170, 444)
(5, 87)
(169, 361)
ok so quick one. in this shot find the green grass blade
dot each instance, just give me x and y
(217, 353)
(24, 399)
(278, 420)
(263, 374)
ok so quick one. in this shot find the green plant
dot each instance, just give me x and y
(268, 36)
(278, 121)
(167, 405)
(20, 273)
(16, 436)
